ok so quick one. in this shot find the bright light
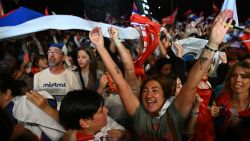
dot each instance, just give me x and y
(151, 13)
(159, 7)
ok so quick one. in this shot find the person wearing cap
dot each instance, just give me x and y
(57, 79)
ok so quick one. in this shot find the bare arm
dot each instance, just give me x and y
(126, 58)
(179, 49)
(39, 46)
(112, 46)
(102, 84)
(130, 101)
(162, 50)
(191, 122)
(183, 102)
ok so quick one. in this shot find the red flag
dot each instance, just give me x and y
(46, 11)
(188, 12)
(171, 18)
(150, 31)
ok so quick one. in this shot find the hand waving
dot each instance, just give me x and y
(219, 29)
(96, 37)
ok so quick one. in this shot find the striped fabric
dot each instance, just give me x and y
(150, 32)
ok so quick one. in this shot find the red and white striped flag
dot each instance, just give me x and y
(150, 32)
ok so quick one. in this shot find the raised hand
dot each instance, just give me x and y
(219, 29)
(113, 33)
(223, 57)
(96, 37)
(179, 48)
(102, 83)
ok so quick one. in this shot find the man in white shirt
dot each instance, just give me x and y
(57, 80)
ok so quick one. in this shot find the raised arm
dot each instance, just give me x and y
(130, 101)
(183, 102)
(126, 58)
(39, 45)
(179, 49)
(163, 50)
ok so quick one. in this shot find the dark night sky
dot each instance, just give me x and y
(76, 7)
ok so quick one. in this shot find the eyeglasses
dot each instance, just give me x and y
(54, 52)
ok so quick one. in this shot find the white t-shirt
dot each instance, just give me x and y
(56, 84)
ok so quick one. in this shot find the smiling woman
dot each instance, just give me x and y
(151, 119)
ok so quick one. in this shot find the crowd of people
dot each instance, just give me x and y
(78, 86)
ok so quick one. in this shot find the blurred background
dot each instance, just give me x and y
(96, 9)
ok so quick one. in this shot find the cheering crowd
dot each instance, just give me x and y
(77, 86)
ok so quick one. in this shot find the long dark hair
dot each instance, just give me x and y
(92, 68)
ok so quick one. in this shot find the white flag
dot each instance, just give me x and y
(231, 6)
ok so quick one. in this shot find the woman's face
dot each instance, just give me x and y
(239, 81)
(153, 96)
(43, 63)
(166, 69)
(83, 59)
(178, 86)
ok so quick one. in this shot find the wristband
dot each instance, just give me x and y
(210, 48)
(194, 113)
(117, 41)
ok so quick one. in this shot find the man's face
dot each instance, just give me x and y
(99, 119)
(55, 57)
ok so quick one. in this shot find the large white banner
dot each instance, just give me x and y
(194, 47)
(62, 22)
